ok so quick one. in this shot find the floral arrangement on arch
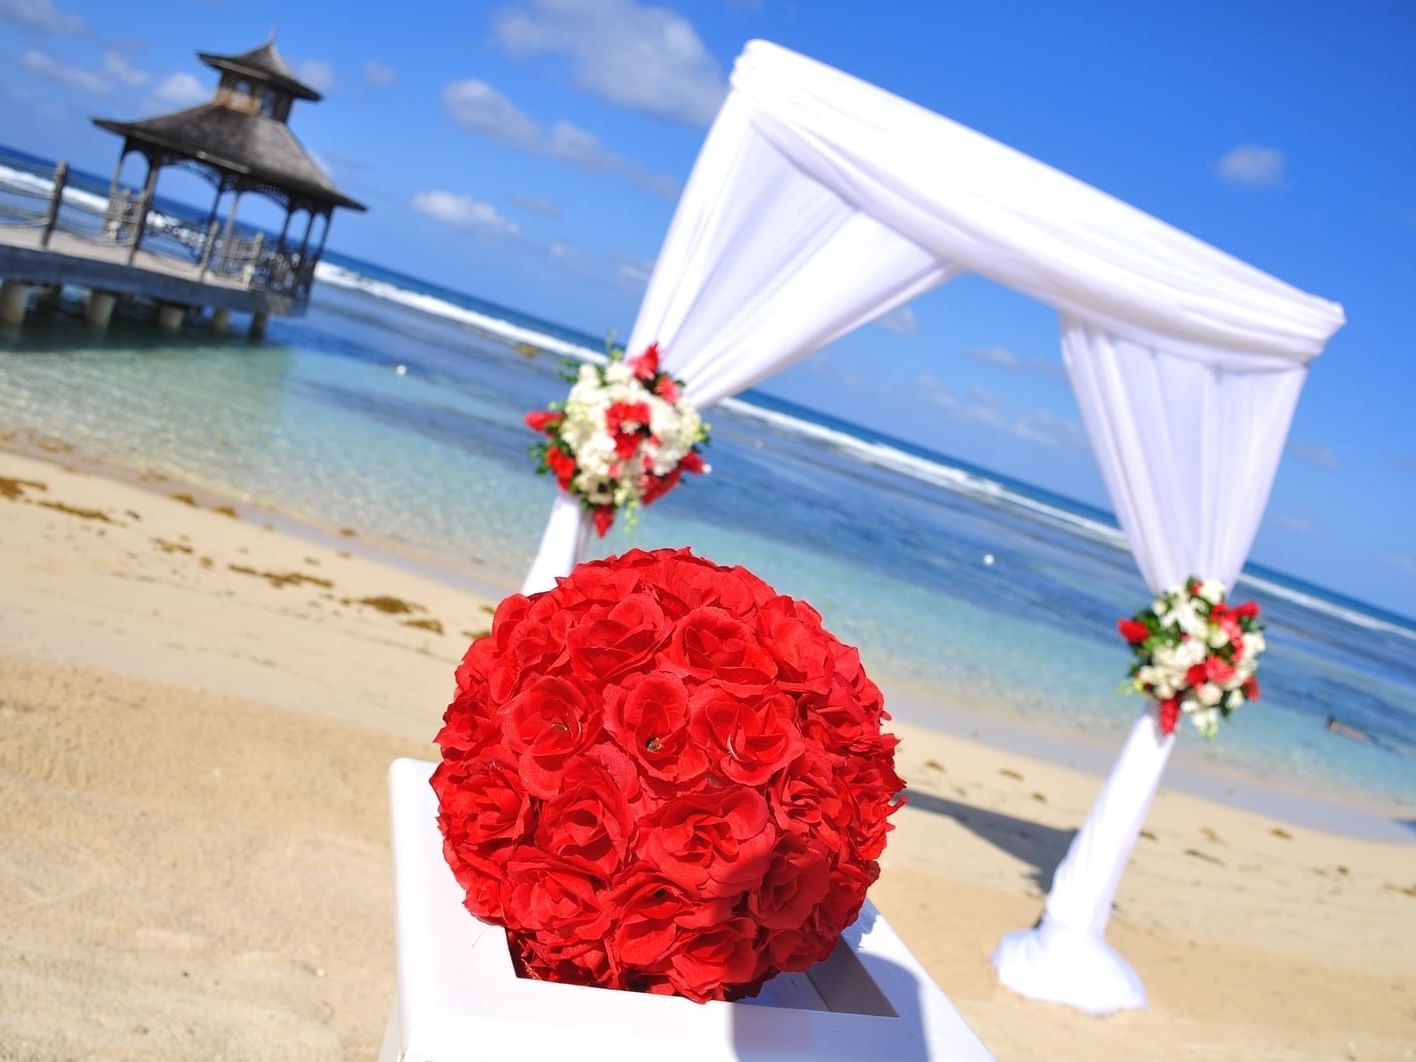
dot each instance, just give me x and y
(664, 776)
(623, 437)
(1195, 654)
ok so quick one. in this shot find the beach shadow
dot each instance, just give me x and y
(1040, 846)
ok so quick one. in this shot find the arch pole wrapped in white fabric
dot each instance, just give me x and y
(820, 202)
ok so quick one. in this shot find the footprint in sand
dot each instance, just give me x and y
(1008, 772)
(1281, 833)
(1205, 856)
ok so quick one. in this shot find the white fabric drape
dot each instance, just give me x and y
(820, 202)
(1188, 445)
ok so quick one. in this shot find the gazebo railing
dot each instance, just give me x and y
(114, 221)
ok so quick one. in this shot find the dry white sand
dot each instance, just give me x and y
(196, 714)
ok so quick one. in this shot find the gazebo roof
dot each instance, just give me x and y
(262, 150)
(263, 64)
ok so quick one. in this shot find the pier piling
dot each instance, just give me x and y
(14, 297)
(100, 309)
(170, 316)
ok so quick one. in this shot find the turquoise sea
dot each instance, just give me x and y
(887, 539)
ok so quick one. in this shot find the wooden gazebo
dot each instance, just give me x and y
(241, 141)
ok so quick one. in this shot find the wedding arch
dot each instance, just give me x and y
(820, 202)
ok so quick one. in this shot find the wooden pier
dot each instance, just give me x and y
(120, 243)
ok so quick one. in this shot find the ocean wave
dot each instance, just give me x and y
(878, 454)
(340, 277)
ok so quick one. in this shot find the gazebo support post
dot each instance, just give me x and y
(153, 167)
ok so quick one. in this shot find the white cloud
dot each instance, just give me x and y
(317, 73)
(1313, 454)
(1048, 429)
(1003, 358)
(379, 74)
(117, 67)
(40, 15)
(479, 108)
(902, 321)
(648, 58)
(933, 390)
(1295, 525)
(1252, 166)
(179, 90)
(71, 77)
(463, 211)
(999, 356)
(535, 204)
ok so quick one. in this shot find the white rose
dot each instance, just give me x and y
(1218, 637)
(617, 372)
(1233, 699)
(1254, 644)
(1212, 590)
(1209, 694)
(1163, 692)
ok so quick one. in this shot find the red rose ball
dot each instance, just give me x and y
(664, 776)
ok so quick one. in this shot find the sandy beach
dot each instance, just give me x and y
(197, 713)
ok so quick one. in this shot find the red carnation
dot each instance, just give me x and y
(662, 776)
(562, 465)
(646, 366)
(1169, 715)
(604, 516)
(1133, 631)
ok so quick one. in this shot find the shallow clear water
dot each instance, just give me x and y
(316, 423)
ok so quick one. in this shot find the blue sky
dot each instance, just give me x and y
(529, 152)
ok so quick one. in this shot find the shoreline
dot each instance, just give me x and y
(1330, 810)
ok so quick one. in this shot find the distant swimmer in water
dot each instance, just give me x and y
(1337, 726)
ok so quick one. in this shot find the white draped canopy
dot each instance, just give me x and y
(820, 202)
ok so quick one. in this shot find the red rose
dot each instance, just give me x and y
(1133, 631)
(555, 894)
(710, 643)
(589, 823)
(806, 798)
(1250, 688)
(750, 739)
(716, 842)
(619, 639)
(692, 462)
(656, 910)
(1248, 610)
(543, 419)
(793, 635)
(708, 957)
(482, 801)
(546, 724)
(667, 389)
(648, 716)
(795, 884)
